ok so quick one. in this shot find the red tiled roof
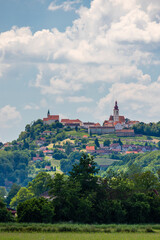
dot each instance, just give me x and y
(126, 131)
(70, 121)
(90, 148)
(51, 117)
(115, 123)
(97, 124)
(48, 167)
(128, 152)
(121, 119)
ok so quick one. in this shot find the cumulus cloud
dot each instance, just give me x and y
(135, 99)
(9, 116)
(112, 42)
(31, 106)
(65, 6)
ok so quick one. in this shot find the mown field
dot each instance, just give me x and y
(79, 236)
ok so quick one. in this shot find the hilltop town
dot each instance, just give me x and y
(117, 124)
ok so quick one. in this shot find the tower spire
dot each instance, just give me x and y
(116, 112)
(48, 114)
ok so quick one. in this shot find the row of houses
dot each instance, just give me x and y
(117, 148)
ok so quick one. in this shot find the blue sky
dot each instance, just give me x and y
(76, 58)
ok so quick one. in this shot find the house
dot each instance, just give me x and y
(37, 159)
(125, 133)
(71, 122)
(12, 211)
(48, 168)
(88, 124)
(48, 152)
(100, 130)
(85, 136)
(48, 133)
(115, 146)
(50, 118)
(118, 126)
(129, 152)
(39, 142)
(90, 149)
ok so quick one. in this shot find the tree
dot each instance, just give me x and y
(22, 195)
(97, 142)
(13, 191)
(58, 155)
(40, 184)
(107, 142)
(158, 144)
(137, 208)
(5, 215)
(84, 173)
(145, 182)
(68, 148)
(36, 210)
(1, 145)
(3, 192)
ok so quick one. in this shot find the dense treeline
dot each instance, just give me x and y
(5, 215)
(150, 129)
(85, 197)
(14, 166)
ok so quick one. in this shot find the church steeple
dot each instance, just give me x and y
(48, 114)
(116, 112)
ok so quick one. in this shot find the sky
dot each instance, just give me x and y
(76, 58)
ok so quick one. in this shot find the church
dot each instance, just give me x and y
(115, 120)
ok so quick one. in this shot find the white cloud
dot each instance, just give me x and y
(114, 42)
(80, 99)
(134, 99)
(31, 106)
(9, 116)
(65, 6)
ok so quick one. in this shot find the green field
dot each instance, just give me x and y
(79, 236)
(104, 160)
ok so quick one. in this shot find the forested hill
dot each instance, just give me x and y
(55, 148)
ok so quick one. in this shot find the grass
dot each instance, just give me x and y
(104, 161)
(79, 228)
(79, 236)
(77, 134)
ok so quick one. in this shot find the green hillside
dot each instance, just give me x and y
(146, 162)
(55, 148)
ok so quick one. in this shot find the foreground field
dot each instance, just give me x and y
(80, 236)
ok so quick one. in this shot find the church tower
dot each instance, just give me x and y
(48, 114)
(116, 113)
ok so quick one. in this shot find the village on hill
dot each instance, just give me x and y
(55, 144)
(115, 124)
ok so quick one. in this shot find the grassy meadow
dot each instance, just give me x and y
(79, 236)
(68, 231)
